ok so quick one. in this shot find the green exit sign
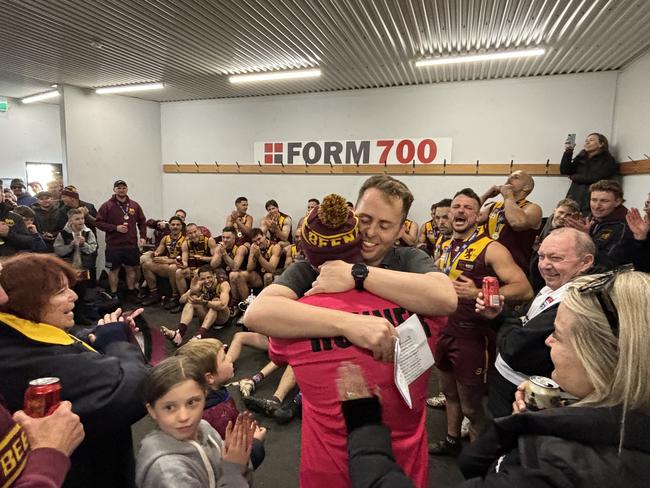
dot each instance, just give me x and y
(4, 105)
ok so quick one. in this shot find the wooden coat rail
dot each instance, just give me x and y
(539, 169)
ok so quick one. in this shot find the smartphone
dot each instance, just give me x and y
(571, 139)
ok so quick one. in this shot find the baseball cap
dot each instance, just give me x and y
(119, 183)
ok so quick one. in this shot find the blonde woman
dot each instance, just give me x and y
(599, 350)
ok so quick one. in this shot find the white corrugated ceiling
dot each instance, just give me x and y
(192, 46)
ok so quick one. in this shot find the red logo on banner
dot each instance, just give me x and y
(273, 152)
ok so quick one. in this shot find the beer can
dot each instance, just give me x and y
(541, 393)
(491, 291)
(42, 397)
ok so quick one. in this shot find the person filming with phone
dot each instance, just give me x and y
(592, 164)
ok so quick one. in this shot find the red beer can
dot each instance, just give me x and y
(42, 397)
(491, 291)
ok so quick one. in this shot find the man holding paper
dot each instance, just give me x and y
(466, 346)
(315, 362)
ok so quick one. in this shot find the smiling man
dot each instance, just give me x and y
(564, 255)
(405, 276)
(607, 226)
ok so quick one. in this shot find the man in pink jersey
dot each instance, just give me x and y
(332, 231)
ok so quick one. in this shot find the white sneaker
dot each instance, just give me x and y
(438, 401)
(464, 428)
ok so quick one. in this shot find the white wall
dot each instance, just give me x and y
(632, 110)
(108, 138)
(208, 198)
(632, 125)
(494, 121)
(28, 133)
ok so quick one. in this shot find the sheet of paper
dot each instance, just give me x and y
(412, 356)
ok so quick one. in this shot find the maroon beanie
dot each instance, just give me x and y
(68, 192)
(331, 231)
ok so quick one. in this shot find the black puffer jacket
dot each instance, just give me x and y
(561, 448)
(584, 172)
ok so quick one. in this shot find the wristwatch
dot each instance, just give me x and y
(359, 273)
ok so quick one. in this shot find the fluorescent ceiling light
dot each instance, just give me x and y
(479, 57)
(40, 97)
(278, 75)
(129, 88)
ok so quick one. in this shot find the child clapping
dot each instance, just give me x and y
(185, 450)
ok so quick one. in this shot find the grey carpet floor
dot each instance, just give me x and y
(280, 468)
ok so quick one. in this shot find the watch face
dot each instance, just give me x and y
(359, 270)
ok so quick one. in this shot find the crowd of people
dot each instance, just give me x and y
(326, 298)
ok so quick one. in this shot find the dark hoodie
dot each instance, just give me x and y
(610, 234)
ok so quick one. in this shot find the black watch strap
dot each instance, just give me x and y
(359, 273)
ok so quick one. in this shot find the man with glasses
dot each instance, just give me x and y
(20, 190)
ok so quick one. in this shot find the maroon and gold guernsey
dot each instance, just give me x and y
(267, 253)
(466, 257)
(209, 293)
(173, 246)
(242, 238)
(519, 243)
(281, 220)
(407, 227)
(432, 236)
(200, 248)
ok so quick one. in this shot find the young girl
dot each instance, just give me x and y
(185, 450)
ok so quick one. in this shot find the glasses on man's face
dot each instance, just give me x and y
(600, 287)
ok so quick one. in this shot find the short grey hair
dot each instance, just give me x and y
(583, 241)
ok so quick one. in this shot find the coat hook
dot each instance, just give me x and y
(178, 168)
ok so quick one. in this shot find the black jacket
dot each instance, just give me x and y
(49, 221)
(610, 235)
(562, 447)
(18, 239)
(105, 391)
(523, 349)
(584, 172)
(370, 454)
(639, 252)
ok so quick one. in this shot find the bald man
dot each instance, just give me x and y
(515, 221)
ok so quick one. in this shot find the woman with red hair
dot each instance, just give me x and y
(101, 378)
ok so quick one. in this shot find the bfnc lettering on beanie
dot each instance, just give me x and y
(331, 232)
